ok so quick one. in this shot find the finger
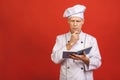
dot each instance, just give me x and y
(73, 57)
(76, 32)
(74, 54)
(78, 57)
(84, 53)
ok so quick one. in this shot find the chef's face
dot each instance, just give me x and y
(75, 24)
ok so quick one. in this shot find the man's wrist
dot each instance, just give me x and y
(86, 61)
(69, 45)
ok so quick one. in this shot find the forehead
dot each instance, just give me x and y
(75, 18)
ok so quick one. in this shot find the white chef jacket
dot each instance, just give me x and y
(76, 69)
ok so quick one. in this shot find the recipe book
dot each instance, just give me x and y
(80, 52)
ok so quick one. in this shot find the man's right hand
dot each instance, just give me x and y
(74, 38)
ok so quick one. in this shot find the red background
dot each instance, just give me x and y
(28, 29)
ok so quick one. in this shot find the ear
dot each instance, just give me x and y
(68, 20)
(83, 21)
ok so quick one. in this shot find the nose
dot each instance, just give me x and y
(75, 23)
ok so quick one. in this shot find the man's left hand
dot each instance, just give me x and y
(82, 57)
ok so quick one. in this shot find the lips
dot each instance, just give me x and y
(75, 28)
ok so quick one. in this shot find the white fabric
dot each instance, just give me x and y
(78, 70)
(77, 10)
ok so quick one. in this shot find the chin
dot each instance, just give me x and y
(75, 31)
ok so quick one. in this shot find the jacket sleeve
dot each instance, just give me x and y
(95, 58)
(58, 49)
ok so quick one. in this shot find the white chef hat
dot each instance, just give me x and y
(77, 10)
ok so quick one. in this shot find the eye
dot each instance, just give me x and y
(71, 20)
(78, 20)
